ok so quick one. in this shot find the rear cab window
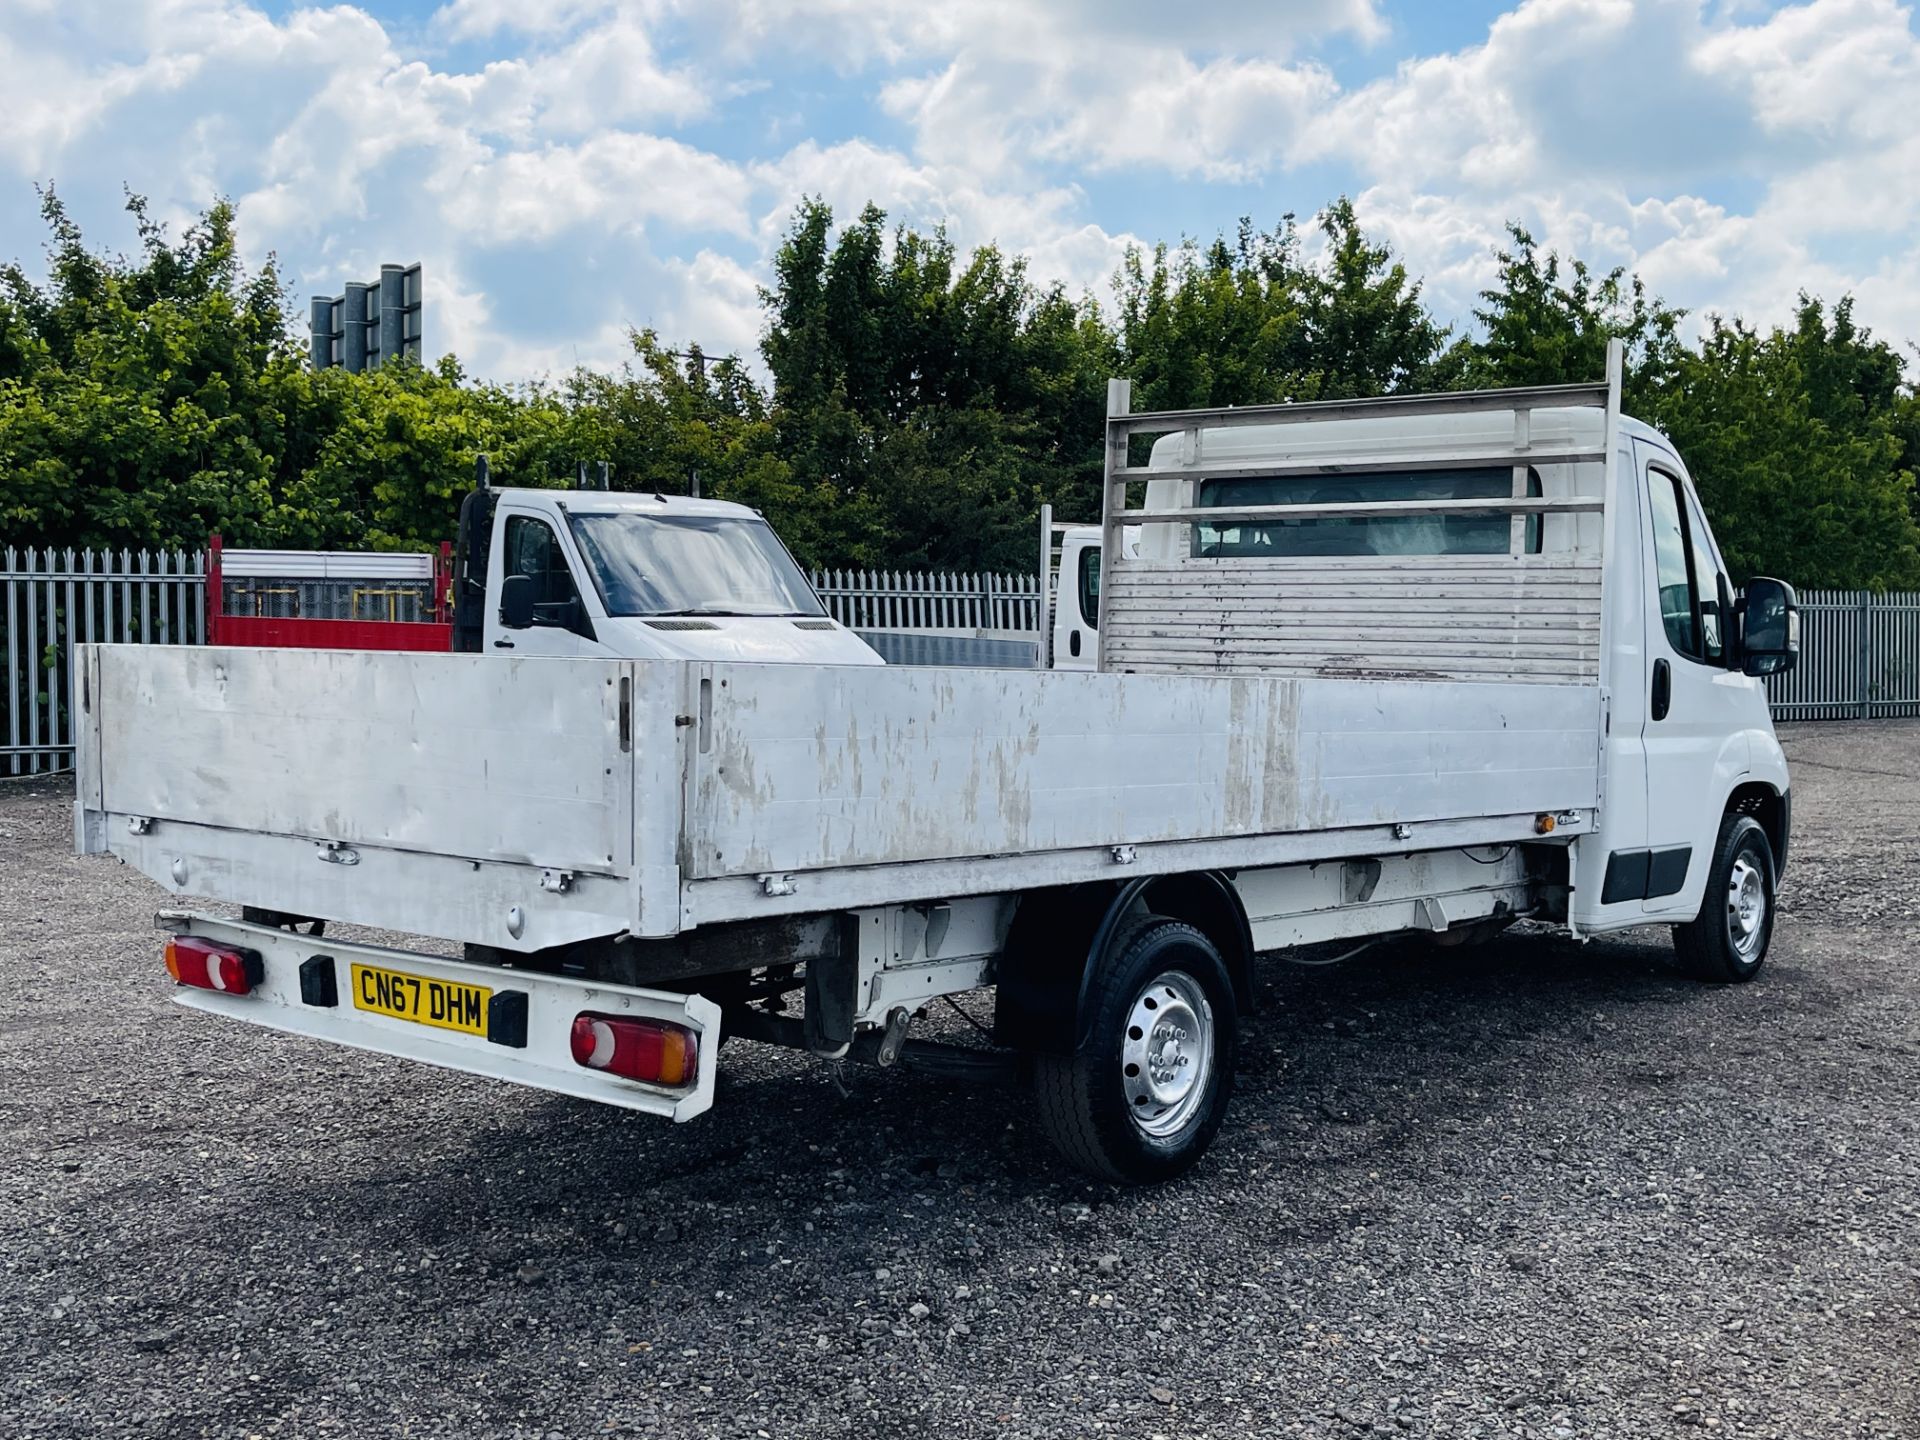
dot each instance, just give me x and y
(1090, 587)
(1374, 535)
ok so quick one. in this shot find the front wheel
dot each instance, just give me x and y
(1144, 1097)
(1727, 942)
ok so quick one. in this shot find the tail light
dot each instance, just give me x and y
(650, 1050)
(207, 966)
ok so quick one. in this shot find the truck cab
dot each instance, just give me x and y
(1073, 632)
(638, 576)
(1582, 555)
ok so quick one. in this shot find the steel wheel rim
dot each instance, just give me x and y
(1746, 908)
(1166, 1053)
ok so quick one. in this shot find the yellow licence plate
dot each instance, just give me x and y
(444, 1003)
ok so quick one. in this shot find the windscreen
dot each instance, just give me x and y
(690, 565)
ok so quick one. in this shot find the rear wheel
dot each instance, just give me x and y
(1145, 1096)
(1727, 943)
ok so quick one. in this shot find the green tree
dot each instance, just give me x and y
(923, 403)
(927, 407)
(1367, 330)
(398, 455)
(145, 400)
(1226, 325)
(1547, 322)
(1250, 322)
(660, 421)
(1793, 439)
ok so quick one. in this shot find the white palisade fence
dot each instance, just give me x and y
(918, 618)
(1859, 652)
(1859, 658)
(920, 601)
(54, 600)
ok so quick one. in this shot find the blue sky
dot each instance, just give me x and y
(566, 169)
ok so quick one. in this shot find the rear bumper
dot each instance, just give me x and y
(544, 1061)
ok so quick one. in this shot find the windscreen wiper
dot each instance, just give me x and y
(734, 614)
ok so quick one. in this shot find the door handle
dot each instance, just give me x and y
(1073, 643)
(1662, 689)
(508, 645)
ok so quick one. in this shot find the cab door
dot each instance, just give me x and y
(526, 543)
(1076, 605)
(1694, 725)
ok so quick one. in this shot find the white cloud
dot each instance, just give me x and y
(999, 115)
(566, 168)
(1608, 126)
(718, 306)
(613, 183)
(478, 19)
(856, 33)
(343, 151)
(1043, 224)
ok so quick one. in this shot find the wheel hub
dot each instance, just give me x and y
(1167, 1056)
(1746, 907)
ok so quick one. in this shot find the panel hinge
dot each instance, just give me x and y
(1122, 854)
(777, 885)
(139, 825)
(335, 852)
(557, 882)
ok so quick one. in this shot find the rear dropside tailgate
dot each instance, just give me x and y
(472, 798)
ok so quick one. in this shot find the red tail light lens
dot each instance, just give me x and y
(207, 966)
(651, 1050)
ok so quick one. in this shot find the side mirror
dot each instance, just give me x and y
(516, 602)
(1770, 627)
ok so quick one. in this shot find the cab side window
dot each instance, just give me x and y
(1673, 564)
(1692, 585)
(1710, 583)
(533, 551)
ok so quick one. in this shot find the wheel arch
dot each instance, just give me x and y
(1772, 809)
(1058, 937)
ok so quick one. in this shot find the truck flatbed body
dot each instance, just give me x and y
(1419, 665)
(524, 804)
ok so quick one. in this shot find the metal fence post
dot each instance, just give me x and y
(1865, 664)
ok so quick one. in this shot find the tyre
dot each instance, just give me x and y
(1727, 942)
(1145, 1096)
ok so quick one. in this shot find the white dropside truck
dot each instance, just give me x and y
(1421, 664)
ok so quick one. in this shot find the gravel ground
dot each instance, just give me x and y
(1538, 1189)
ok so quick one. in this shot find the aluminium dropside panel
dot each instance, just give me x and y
(530, 803)
(816, 769)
